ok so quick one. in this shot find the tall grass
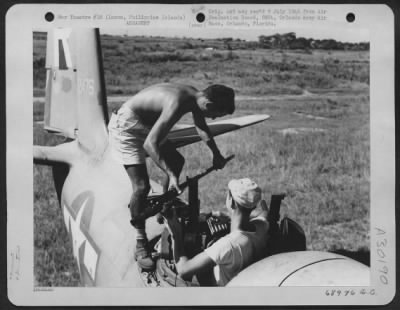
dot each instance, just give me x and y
(133, 63)
(325, 175)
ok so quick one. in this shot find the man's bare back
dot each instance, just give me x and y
(159, 108)
(149, 103)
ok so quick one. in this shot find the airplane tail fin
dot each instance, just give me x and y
(76, 104)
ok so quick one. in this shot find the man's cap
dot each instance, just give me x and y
(245, 192)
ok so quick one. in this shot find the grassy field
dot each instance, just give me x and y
(315, 147)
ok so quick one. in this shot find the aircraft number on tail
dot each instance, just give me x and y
(86, 85)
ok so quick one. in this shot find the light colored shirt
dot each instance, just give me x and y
(237, 250)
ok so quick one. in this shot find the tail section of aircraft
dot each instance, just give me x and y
(61, 97)
(75, 90)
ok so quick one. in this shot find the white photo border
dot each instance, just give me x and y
(22, 19)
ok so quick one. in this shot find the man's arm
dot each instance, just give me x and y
(185, 267)
(205, 135)
(169, 116)
(263, 213)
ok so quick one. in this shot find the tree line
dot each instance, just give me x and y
(290, 41)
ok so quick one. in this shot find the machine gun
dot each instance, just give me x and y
(163, 203)
(201, 230)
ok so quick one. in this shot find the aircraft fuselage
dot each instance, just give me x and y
(94, 203)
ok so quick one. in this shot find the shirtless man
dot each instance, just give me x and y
(141, 126)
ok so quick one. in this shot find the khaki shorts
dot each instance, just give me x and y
(126, 137)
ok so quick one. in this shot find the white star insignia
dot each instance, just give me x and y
(78, 238)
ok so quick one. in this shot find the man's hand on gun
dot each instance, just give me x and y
(162, 202)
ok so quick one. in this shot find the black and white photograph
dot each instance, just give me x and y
(235, 152)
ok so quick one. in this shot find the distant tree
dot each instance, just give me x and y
(364, 46)
(300, 43)
(227, 42)
(269, 41)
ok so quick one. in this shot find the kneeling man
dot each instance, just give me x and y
(245, 244)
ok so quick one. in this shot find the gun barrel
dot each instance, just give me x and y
(156, 204)
(203, 174)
